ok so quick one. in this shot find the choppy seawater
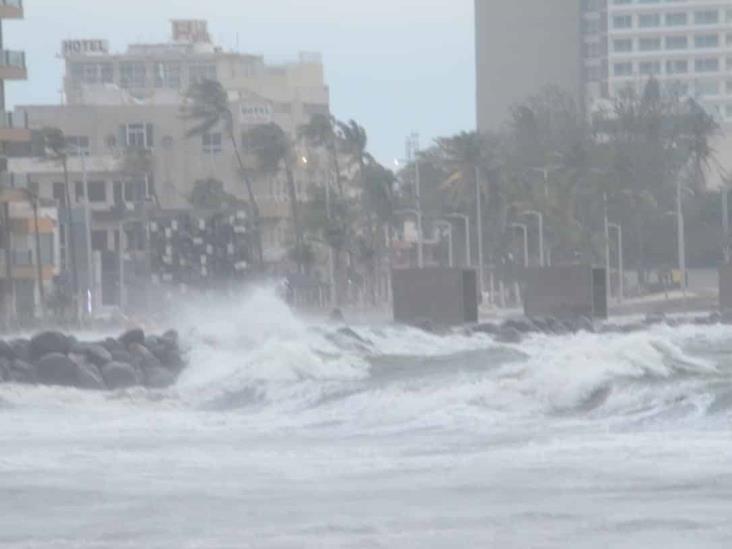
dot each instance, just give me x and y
(284, 434)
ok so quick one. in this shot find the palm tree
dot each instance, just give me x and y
(272, 148)
(322, 133)
(56, 148)
(208, 106)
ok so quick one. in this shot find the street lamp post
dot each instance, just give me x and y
(468, 251)
(540, 220)
(88, 232)
(681, 235)
(725, 224)
(621, 265)
(448, 226)
(608, 289)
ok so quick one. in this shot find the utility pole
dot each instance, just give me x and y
(725, 225)
(681, 235)
(608, 289)
(91, 286)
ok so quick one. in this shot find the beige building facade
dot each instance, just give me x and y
(135, 100)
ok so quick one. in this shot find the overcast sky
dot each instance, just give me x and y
(393, 65)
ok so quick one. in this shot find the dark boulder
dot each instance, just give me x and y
(715, 318)
(523, 326)
(97, 355)
(145, 358)
(6, 351)
(159, 378)
(22, 372)
(486, 328)
(508, 335)
(132, 336)
(57, 369)
(122, 356)
(112, 345)
(89, 376)
(171, 337)
(48, 343)
(21, 348)
(118, 375)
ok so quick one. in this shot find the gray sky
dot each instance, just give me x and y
(393, 65)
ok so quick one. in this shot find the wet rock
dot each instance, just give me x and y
(97, 355)
(22, 372)
(509, 335)
(21, 348)
(6, 351)
(486, 328)
(715, 318)
(122, 356)
(89, 377)
(145, 358)
(132, 336)
(523, 326)
(57, 369)
(48, 343)
(4, 369)
(118, 375)
(113, 345)
(159, 378)
(654, 319)
(171, 337)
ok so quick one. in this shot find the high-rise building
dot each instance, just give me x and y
(521, 47)
(685, 44)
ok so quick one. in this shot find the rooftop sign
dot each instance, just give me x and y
(84, 47)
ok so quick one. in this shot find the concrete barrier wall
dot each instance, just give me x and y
(444, 297)
(565, 291)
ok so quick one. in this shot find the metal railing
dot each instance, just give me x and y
(11, 58)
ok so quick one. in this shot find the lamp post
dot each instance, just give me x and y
(448, 227)
(621, 267)
(468, 251)
(525, 229)
(608, 290)
(725, 224)
(540, 220)
(88, 232)
(545, 171)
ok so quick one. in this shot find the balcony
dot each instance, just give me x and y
(14, 127)
(11, 9)
(12, 65)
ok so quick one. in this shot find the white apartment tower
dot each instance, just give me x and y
(685, 44)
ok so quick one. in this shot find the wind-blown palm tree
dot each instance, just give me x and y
(208, 107)
(56, 148)
(273, 149)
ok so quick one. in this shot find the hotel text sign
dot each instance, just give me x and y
(84, 47)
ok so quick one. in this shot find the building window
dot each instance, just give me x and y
(92, 73)
(78, 145)
(676, 19)
(622, 22)
(59, 193)
(97, 191)
(677, 42)
(707, 87)
(706, 17)
(706, 65)
(623, 69)
(99, 241)
(79, 191)
(647, 20)
(134, 191)
(198, 73)
(624, 45)
(137, 135)
(678, 66)
(168, 75)
(132, 75)
(649, 68)
(211, 143)
(649, 44)
(706, 41)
